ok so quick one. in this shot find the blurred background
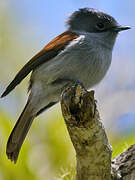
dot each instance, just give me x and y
(25, 27)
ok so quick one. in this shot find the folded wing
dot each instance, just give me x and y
(47, 53)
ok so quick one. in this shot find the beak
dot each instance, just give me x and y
(121, 28)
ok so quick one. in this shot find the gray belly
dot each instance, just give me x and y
(93, 71)
(80, 61)
(84, 66)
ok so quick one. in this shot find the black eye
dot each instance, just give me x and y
(100, 26)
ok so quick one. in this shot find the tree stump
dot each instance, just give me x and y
(87, 133)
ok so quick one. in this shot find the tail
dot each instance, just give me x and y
(21, 129)
(19, 133)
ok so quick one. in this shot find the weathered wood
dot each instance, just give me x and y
(93, 151)
(123, 165)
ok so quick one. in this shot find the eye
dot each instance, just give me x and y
(100, 26)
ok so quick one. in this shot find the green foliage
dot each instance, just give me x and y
(47, 148)
(121, 144)
(47, 152)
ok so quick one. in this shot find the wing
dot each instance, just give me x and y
(47, 53)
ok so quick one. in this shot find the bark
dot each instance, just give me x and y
(123, 166)
(93, 151)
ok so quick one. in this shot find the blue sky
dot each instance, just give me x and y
(44, 19)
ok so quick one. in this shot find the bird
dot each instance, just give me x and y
(82, 53)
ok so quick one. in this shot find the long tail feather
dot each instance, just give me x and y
(21, 129)
(19, 133)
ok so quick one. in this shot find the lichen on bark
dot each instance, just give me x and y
(87, 133)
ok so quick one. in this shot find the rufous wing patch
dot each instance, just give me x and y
(47, 53)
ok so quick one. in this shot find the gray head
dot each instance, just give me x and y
(93, 21)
